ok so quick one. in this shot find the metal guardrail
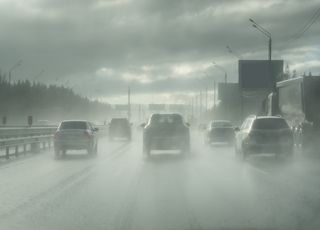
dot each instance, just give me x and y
(31, 139)
(28, 144)
(13, 132)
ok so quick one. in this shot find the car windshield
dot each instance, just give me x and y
(270, 123)
(73, 125)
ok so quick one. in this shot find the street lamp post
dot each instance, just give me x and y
(265, 32)
(35, 78)
(223, 69)
(268, 35)
(12, 68)
(203, 83)
(233, 53)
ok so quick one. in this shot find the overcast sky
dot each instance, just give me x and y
(163, 49)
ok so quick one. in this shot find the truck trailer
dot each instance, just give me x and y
(298, 101)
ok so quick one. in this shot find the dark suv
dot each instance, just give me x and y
(119, 128)
(166, 132)
(264, 134)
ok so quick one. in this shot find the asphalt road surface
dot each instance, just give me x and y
(121, 189)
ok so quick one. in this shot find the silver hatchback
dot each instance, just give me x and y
(75, 135)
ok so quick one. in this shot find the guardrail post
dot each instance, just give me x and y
(24, 149)
(7, 152)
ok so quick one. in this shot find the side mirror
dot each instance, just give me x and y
(95, 129)
(187, 124)
(237, 129)
(143, 125)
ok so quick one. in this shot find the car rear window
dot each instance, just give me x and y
(270, 123)
(73, 125)
(166, 119)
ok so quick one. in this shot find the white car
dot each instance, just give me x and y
(264, 134)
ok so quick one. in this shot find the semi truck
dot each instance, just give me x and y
(298, 101)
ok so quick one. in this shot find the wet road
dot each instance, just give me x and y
(121, 189)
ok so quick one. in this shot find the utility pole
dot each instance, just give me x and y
(200, 109)
(206, 99)
(214, 94)
(140, 113)
(270, 47)
(223, 70)
(197, 105)
(192, 107)
(129, 104)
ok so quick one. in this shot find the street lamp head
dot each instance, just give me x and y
(251, 20)
(255, 26)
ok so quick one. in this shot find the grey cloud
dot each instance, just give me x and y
(73, 39)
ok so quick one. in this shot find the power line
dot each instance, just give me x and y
(306, 26)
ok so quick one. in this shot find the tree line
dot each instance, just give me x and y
(52, 103)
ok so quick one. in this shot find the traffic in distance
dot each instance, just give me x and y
(165, 131)
(159, 115)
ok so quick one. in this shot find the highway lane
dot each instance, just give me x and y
(121, 189)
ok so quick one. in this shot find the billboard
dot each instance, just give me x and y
(259, 74)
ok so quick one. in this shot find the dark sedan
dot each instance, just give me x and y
(166, 132)
(119, 128)
(219, 131)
